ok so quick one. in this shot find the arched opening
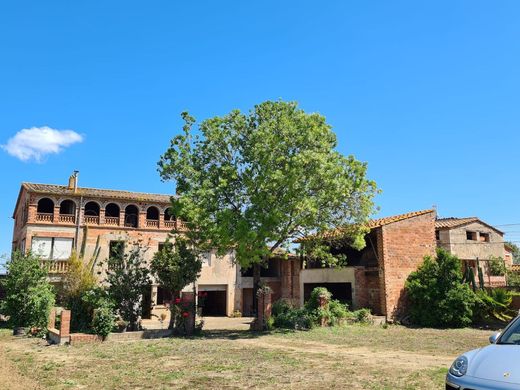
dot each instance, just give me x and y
(92, 209)
(45, 206)
(67, 207)
(152, 213)
(168, 215)
(112, 210)
(131, 216)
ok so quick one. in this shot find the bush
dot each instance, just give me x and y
(497, 266)
(493, 305)
(338, 312)
(437, 296)
(103, 321)
(363, 316)
(29, 296)
(293, 318)
(82, 307)
(287, 316)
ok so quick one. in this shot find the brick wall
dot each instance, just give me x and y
(405, 243)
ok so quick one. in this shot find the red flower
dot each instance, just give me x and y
(177, 300)
(185, 314)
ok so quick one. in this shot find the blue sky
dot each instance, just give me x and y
(426, 92)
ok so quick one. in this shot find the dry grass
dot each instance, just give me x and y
(356, 357)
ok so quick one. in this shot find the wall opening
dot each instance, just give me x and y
(214, 303)
(131, 216)
(168, 215)
(112, 210)
(92, 209)
(67, 207)
(46, 206)
(152, 213)
(340, 291)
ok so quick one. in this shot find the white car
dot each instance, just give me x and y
(494, 367)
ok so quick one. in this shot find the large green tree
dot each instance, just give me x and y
(253, 182)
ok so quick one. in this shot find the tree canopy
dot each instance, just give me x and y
(256, 181)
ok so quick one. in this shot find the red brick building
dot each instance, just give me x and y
(375, 276)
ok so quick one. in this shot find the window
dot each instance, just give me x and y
(471, 235)
(116, 249)
(52, 248)
(163, 295)
(437, 235)
(484, 237)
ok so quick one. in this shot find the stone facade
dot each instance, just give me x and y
(471, 239)
(89, 220)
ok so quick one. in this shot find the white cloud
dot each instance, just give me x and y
(37, 142)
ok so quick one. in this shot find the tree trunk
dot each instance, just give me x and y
(256, 286)
(171, 325)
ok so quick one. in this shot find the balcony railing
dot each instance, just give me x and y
(66, 218)
(152, 223)
(113, 221)
(55, 266)
(44, 217)
(181, 225)
(92, 219)
(169, 224)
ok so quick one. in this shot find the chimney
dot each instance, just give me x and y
(73, 181)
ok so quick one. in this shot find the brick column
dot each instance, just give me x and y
(189, 299)
(141, 224)
(122, 216)
(52, 318)
(65, 324)
(56, 213)
(161, 220)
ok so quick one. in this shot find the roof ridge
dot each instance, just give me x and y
(97, 189)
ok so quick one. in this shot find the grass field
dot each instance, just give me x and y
(354, 357)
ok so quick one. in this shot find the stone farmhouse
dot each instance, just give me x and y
(53, 220)
(472, 240)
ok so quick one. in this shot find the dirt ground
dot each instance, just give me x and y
(354, 357)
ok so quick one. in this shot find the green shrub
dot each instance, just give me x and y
(513, 279)
(103, 321)
(338, 312)
(493, 305)
(281, 306)
(29, 296)
(82, 307)
(362, 316)
(293, 318)
(437, 296)
(314, 300)
(497, 266)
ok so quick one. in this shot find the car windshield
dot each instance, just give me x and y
(512, 334)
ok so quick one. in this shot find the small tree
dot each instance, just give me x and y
(437, 296)
(29, 295)
(497, 266)
(77, 282)
(128, 278)
(175, 267)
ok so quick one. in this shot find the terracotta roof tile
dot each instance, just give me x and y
(52, 189)
(446, 223)
(371, 224)
(449, 223)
